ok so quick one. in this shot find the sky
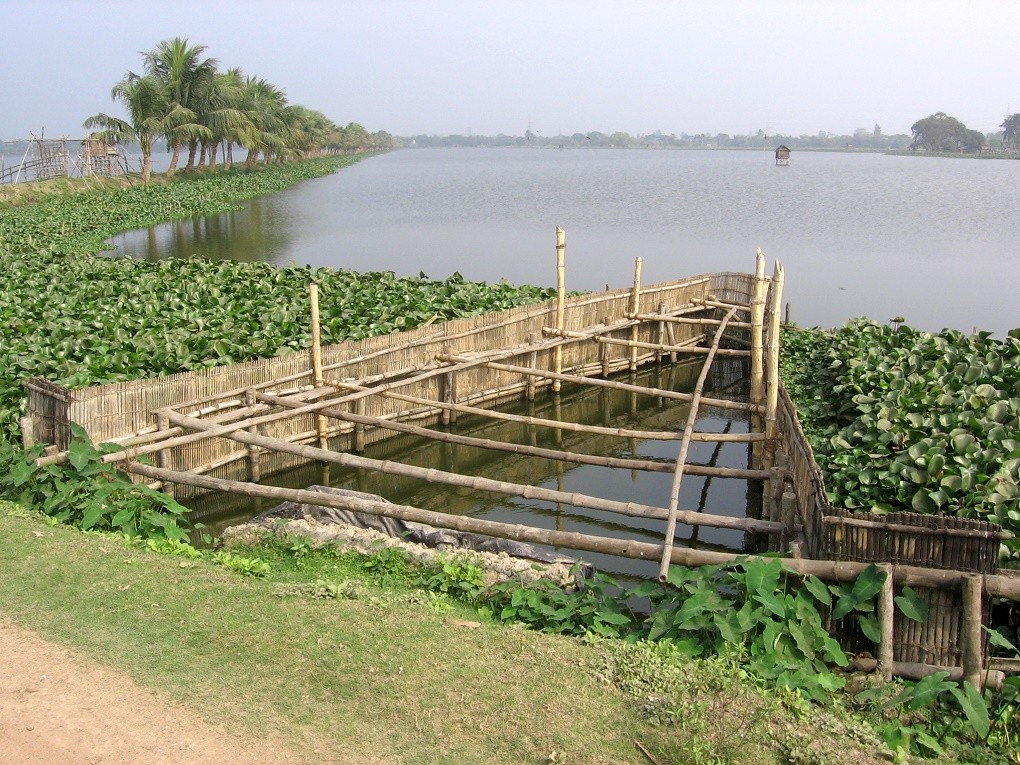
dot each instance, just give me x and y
(486, 67)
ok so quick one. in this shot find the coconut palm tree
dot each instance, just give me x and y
(184, 74)
(220, 109)
(150, 116)
(264, 104)
(1011, 130)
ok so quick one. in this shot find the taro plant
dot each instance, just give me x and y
(88, 493)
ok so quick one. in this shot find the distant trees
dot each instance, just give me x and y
(1011, 131)
(183, 98)
(940, 132)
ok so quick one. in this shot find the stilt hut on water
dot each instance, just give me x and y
(783, 155)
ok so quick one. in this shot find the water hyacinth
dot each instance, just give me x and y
(907, 420)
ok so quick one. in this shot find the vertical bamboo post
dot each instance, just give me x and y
(886, 625)
(359, 428)
(254, 471)
(27, 432)
(757, 331)
(313, 297)
(533, 338)
(635, 307)
(605, 351)
(163, 456)
(448, 416)
(772, 367)
(561, 301)
(971, 637)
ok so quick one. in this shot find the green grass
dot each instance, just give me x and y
(384, 673)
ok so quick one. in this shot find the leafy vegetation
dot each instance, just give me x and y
(183, 98)
(111, 319)
(906, 420)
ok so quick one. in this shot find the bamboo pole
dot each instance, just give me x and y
(685, 444)
(431, 475)
(254, 473)
(826, 570)
(971, 638)
(561, 296)
(635, 306)
(910, 670)
(535, 451)
(635, 344)
(163, 455)
(757, 328)
(313, 296)
(711, 302)
(668, 319)
(772, 368)
(721, 403)
(886, 608)
(836, 520)
(648, 435)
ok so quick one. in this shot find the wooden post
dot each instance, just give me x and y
(886, 608)
(605, 353)
(313, 296)
(449, 395)
(163, 455)
(253, 451)
(660, 334)
(971, 638)
(533, 338)
(359, 428)
(772, 368)
(27, 432)
(757, 332)
(635, 307)
(561, 300)
(789, 313)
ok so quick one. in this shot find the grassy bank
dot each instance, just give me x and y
(350, 664)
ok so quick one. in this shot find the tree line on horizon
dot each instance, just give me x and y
(185, 100)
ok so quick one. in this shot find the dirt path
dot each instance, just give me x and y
(57, 708)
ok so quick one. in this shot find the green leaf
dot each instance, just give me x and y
(869, 626)
(92, 516)
(819, 589)
(974, 707)
(912, 605)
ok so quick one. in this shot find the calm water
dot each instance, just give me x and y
(597, 406)
(935, 240)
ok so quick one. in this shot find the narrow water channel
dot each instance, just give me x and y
(589, 405)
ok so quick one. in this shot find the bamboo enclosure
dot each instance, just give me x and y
(249, 420)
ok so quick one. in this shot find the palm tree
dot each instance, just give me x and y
(183, 73)
(150, 116)
(220, 109)
(1011, 130)
(264, 104)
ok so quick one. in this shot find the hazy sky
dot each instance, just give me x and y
(454, 66)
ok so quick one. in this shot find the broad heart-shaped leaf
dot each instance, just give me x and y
(869, 583)
(999, 640)
(912, 605)
(80, 453)
(974, 707)
(92, 516)
(819, 589)
(772, 603)
(869, 626)
(21, 472)
(761, 576)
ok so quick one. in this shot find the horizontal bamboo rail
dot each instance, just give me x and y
(531, 451)
(432, 475)
(721, 403)
(647, 435)
(668, 318)
(826, 570)
(671, 348)
(836, 520)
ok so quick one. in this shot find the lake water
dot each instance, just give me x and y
(932, 239)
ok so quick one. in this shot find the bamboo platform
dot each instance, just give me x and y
(225, 428)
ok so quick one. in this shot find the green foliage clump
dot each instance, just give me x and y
(88, 493)
(907, 420)
(79, 319)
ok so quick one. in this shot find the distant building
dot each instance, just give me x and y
(783, 155)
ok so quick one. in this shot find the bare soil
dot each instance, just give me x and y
(59, 708)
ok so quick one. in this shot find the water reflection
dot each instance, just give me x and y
(595, 406)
